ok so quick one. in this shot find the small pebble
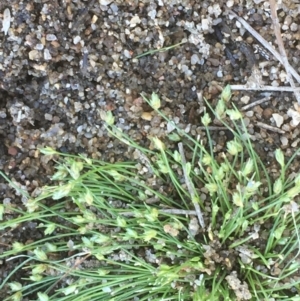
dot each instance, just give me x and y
(220, 73)
(245, 99)
(105, 2)
(76, 40)
(267, 113)
(127, 53)
(147, 116)
(51, 37)
(278, 119)
(39, 46)
(12, 151)
(34, 55)
(134, 21)
(294, 27)
(6, 21)
(48, 116)
(47, 55)
(284, 140)
(195, 59)
(230, 3)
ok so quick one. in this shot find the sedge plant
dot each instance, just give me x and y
(183, 222)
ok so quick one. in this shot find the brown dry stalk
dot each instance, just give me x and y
(265, 43)
(281, 47)
(269, 127)
(255, 103)
(264, 88)
(190, 186)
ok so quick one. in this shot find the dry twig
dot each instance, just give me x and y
(190, 186)
(264, 88)
(265, 44)
(255, 103)
(270, 128)
(281, 47)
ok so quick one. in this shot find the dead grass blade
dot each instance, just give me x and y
(265, 43)
(281, 47)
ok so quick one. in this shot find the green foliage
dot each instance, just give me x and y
(215, 226)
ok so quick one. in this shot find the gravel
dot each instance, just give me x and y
(62, 61)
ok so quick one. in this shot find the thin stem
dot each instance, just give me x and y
(190, 186)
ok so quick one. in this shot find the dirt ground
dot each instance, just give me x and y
(61, 61)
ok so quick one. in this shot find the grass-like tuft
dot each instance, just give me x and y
(180, 223)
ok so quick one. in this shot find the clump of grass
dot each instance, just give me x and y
(186, 224)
